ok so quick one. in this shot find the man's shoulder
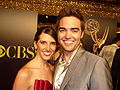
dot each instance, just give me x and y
(90, 60)
(90, 54)
(93, 59)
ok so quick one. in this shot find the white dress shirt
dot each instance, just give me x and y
(61, 70)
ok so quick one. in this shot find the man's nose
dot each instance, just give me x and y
(68, 34)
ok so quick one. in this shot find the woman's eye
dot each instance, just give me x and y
(42, 42)
(53, 43)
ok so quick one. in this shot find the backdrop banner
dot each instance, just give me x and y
(17, 29)
(99, 30)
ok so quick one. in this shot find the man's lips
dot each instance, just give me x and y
(68, 42)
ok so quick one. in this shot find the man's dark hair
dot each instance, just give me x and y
(66, 12)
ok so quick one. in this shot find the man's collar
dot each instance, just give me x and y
(62, 61)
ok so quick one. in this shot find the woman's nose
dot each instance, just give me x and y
(47, 47)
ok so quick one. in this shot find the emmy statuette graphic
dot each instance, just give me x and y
(92, 27)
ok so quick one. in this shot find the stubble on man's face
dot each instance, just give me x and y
(69, 33)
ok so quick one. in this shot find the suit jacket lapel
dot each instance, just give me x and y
(72, 67)
(56, 62)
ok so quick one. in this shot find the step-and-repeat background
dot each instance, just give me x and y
(17, 29)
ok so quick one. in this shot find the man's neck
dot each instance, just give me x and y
(67, 55)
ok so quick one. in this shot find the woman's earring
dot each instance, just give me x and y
(35, 51)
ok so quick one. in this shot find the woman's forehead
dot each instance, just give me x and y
(47, 37)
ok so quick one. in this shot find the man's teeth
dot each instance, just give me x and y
(68, 42)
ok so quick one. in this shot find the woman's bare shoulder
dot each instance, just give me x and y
(22, 79)
(24, 72)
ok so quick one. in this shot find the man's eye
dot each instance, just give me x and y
(61, 30)
(75, 30)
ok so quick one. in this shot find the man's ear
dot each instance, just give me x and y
(82, 34)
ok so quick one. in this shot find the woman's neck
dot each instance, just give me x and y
(40, 62)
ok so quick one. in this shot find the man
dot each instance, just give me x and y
(115, 70)
(77, 69)
(108, 51)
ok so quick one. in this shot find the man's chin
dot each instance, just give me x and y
(69, 49)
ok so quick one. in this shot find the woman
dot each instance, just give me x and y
(38, 73)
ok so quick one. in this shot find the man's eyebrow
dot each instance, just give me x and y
(75, 28)
(69, 28)
(61, 28)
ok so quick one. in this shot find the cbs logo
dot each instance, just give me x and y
(17, 52)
